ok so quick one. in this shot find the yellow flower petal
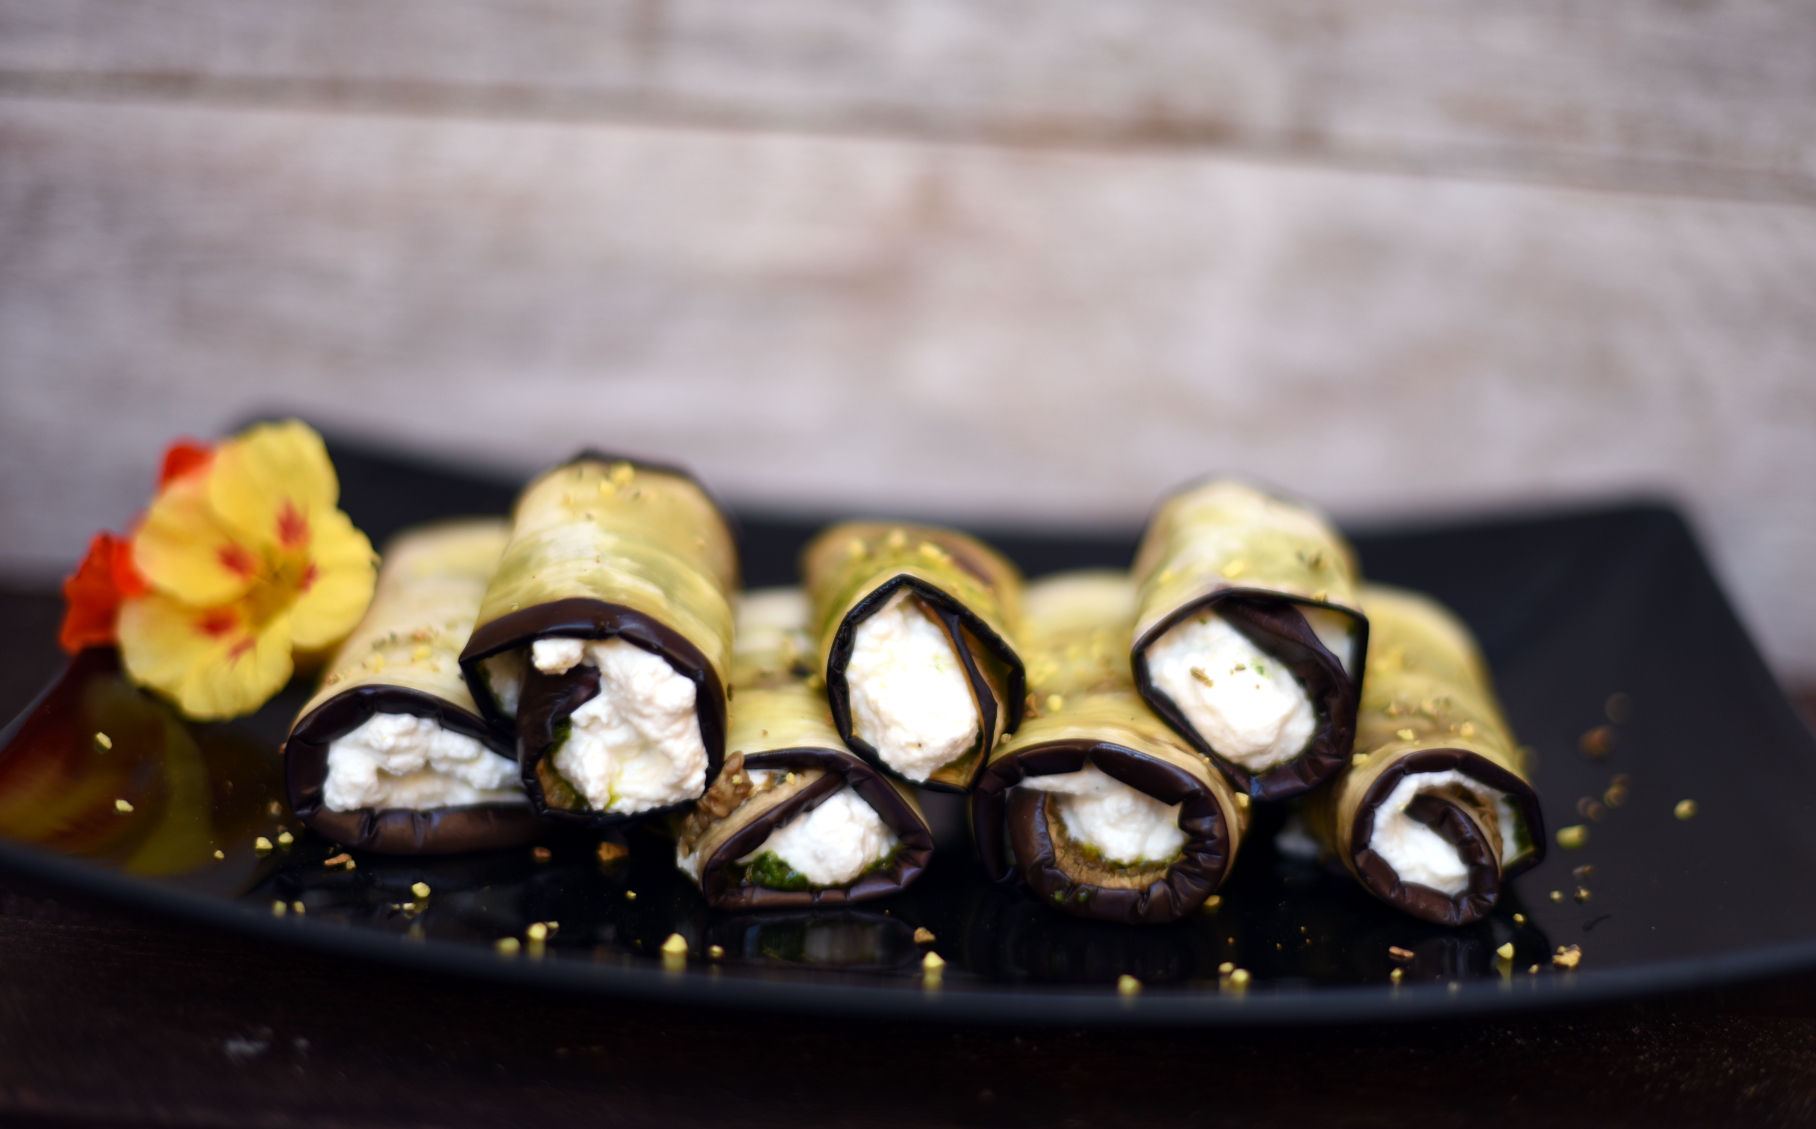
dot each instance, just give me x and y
(339, 583)
(211, 661)
(182, 549)
(272, 484)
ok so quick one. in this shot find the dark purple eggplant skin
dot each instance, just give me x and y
(959, 621)
(547, 699)
(1443, 816)
(724, 892)
(1001, 816)
(1276, 627)
(398, 831)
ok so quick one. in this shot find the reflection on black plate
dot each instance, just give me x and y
(1570, 610)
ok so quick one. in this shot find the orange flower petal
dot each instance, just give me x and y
(210, 661)
(91, 596)
(183, 457)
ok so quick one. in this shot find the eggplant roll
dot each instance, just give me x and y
(795, 819)
(1247, 637)
(1095, 804)
(1434, 811)
(914, 625)
(605, 637)
(391, 753)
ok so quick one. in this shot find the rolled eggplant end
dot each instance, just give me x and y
(1440, 833)
(1070, 873)
(838, 833)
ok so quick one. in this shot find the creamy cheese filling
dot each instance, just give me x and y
(504, 675)
(1239, 698)
(1417, 853)
(636, 745)
(832, 844)
(1125, 824)
(399, 760)
(910, 699)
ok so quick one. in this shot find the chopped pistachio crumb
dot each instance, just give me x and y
(1398, 953)
(296, 908)
(1226, 968)
(1405, 734)
(1505, 952)
(122, 807)
(1127, 985)
(1581, 894)
(1397, 975)
(220, 854)
(278, 909)
(716, 952)
(933, 962)
(1685, 809)
(1055, 703)
(1572, 837)
(1556, 895)
(1533, 971)
(540, 932)
(104, 741)
(1239, 977)
(924, 936)
(507, 945)
(610, 852)
(1567, 956)
(420, 889)
(541, 854)
(1519, 919)
(262, 845)
(630, 895)
(1211, 903)
(1359, 760)
(284, 838)
(1242, 800)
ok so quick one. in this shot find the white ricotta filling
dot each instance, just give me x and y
(832, 844)
(637, 744)
(1239, 698)
(557, 655)
(504, 675)
(910, 699)
(399, 760)
(1418, 854)
(1125, 824)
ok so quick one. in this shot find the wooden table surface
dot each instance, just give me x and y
(111, 1018)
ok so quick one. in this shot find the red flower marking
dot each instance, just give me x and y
(237, 560)
(239, 649)
(308, 580)
(292, 527)
(217, 622)
(92, 594)
(183, 456)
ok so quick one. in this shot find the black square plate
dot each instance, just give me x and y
(1573, 611)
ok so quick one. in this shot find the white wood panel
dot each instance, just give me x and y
(1044, 336)
(1711, 96)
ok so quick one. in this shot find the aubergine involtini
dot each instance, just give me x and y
(1094, 803)
(1434, 812)
(391, 754)
(605, 639)
(1247, 637)
(795, 819)
(915, 627)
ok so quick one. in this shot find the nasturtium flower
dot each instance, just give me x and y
(242, 559)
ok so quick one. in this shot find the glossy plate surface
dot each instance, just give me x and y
(1572, 610)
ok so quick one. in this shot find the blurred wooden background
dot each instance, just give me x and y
(1014, 260)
